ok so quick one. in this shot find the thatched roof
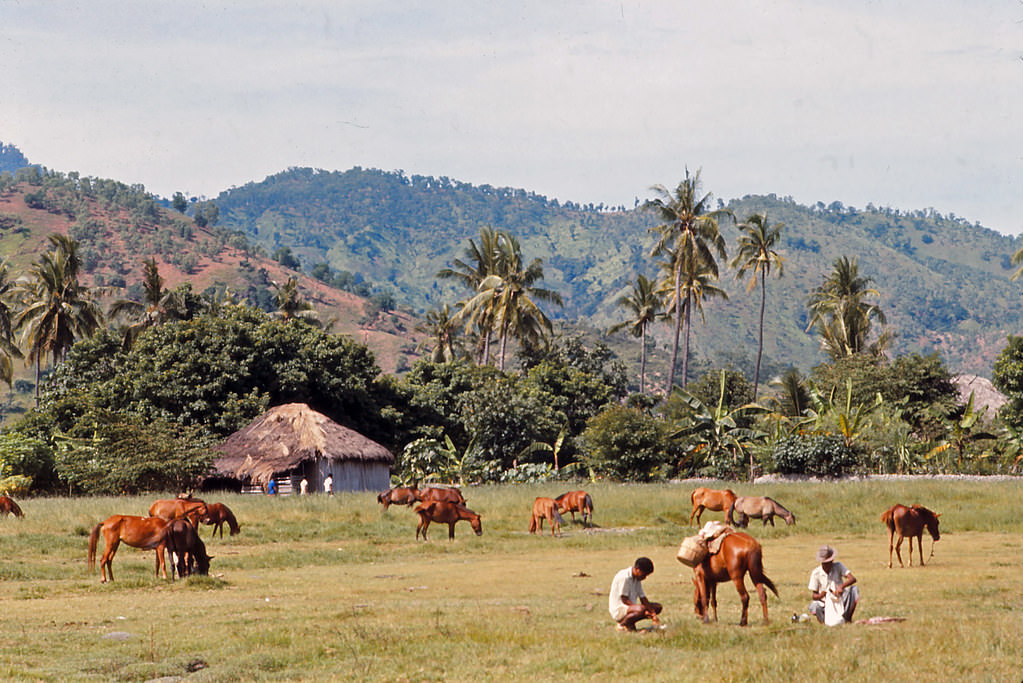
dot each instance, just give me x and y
(984, 393)
(284, 437)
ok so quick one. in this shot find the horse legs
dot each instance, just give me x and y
(424, 524)
(898, 551)
(161, 561)
(106, 563)
(891, 545)
(762, 594)
(697, 511)
(740, 585)
(769, 518)
(919, 549)
(451, 530)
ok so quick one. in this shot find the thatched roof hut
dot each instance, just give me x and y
(293, 441)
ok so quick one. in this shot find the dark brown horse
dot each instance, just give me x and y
(448, 513)
(188, 552)
(217, 514)
(146, 533)
(400, 495)
(910, 522)
(9, 507)
(577, 501)
(760, 507)
(545, 508)
(740, 554)
(176, 508)
(443, 494)
(710, 499)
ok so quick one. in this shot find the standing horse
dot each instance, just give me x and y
(217, 514)
(577, 501)
(443, 494)
(146, 533)
(910, 522)
(763, 508)
(545, 508)
(739, 554)
(176, 508)
(8, 507)
(448, 513)
(401, 495)
(187, 550)
(710, 499)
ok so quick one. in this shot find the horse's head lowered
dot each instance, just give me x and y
(930, 520)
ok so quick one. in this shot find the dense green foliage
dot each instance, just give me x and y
(821, 455)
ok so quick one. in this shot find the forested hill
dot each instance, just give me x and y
(944, 283)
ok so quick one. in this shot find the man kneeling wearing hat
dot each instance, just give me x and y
(831, 585)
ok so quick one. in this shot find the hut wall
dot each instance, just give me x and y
(351, 475)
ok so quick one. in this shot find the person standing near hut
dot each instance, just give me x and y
(303, 486)
(328, 485)
(271, 487)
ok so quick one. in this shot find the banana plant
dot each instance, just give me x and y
(960, 431)
(849, 420)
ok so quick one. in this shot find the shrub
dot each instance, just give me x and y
(628, 444)
(821, 455)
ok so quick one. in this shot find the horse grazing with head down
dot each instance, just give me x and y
(577, 501)
(399, 495)
(545, 508)
(217, 514)
(910, 522)
(9, 507)
(176, 508)
(760, 507)
(710, 499)
(146, 533)
(448, 513)
(739, 554)
(188, 552)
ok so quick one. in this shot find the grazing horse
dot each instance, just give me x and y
(187, 550)
(8, 506)
(577, 501)
(217, 514)
(545, 508)
(442, 494)
(710, 499)
(763, 508)
(448, 513)
(146, 533)
(176, 508)
(910, 522)
(739, 554)
(400, 495)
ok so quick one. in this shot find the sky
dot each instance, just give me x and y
(902, 104)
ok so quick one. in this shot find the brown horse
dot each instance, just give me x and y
(442, 494)
(187, 550)
(176, 508)
(577, 501)
(910, 522)
(400, 495)
(448, 513)
(146, 533)
(739, 554)
(8, 507)
(217, 514)
(710, 499)
(763, 508)
(545, 508)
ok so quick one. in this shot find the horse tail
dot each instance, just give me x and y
(888, 518)
(93, 540)
(756, 570)
(731, 519)
(532, 524)
(557, 515)
(588, 502)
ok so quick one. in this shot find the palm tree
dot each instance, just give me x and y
(757, 256)
(290, 303)
(480, 262)
(644, 303)
(56, 310)
(158, 305)
(843, 316)
(442, 331)
(689, 234)
(8, 349)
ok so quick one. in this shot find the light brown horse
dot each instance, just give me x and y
(445, 494)
(740, 554)
(146, 533)
(448, 513)
(710, 499)
(400, 495)
(545, 508)
(217, 514)
(910, 522)
(577, 501)
(761, 507)
(9, 507)
(176, 508)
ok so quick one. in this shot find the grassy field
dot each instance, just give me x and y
(337, 589)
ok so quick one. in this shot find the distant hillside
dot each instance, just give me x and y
(944, 282)
(118, 226)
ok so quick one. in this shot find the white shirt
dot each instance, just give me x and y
(821, 581)
(624, 583)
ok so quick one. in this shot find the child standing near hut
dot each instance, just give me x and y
(328, 485)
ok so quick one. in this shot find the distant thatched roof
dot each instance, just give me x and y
(984, 393)
(284, 437)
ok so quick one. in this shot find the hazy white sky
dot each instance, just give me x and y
(908, 104)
